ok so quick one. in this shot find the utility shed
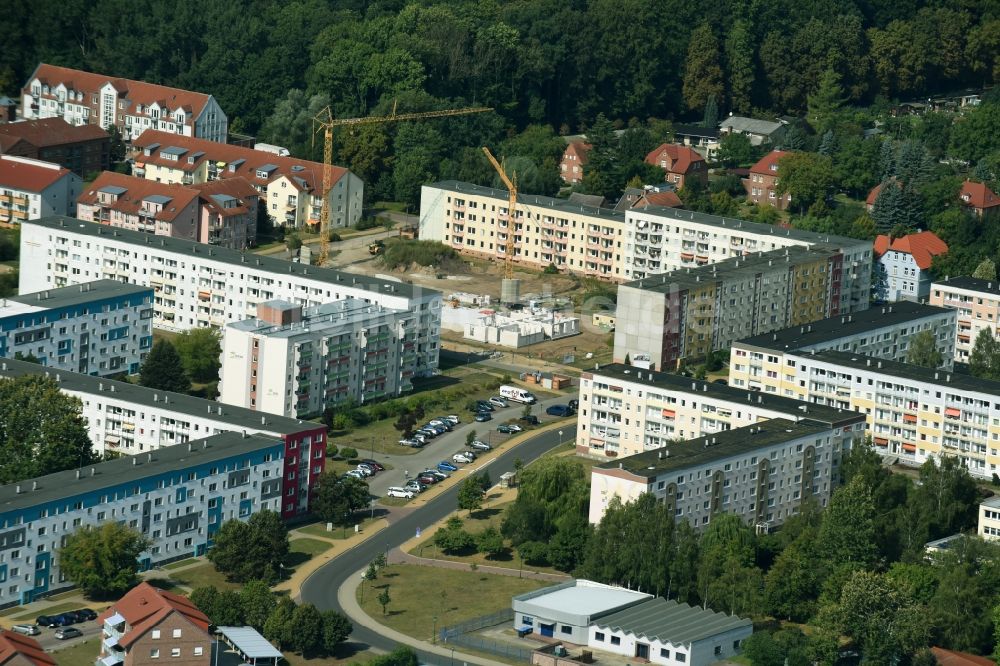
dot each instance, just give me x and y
(566, 611)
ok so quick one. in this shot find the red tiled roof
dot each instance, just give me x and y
(764, 164)
(680, 157)
(12, 644)
(138, 189)
(953, 658)
(145, 606)
(922, 246)
(665, 199)
(873, 195)
(309, 177)
(49, 132)
(237, 188)
(580, 149)
(978, 195)
(18, 173)
(137, 92)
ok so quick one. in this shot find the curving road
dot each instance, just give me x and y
(322, 586)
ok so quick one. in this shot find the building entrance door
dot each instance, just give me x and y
(642, 651)
(547, 629)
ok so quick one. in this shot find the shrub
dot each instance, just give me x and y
(452, 538)
(366, 223)
(335, 237)
(400, 253)
(349, 454)
(551, 269)
(535, 553)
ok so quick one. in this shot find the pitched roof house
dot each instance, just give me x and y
(149, 625)
(979, 198)
(679, 164)
(904, 265)
(83, 149)
(18, 650)
(759, 131)
(763, 179)
(87, 98)
(573, 160)
(31, 189)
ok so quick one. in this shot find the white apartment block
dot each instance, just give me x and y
(198, 286)
(97, 328)
(977, 304)
(989, 519)
(178, 497)
(881, 332)
(30, 189)
(913, 413)
(762, 473)
(86, 98)
(625, 411)
(297, 362)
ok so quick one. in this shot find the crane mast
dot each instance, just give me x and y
(509, 288)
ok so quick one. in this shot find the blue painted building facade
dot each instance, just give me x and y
(177, 496)
(96, 328)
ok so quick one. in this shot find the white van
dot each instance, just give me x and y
(517, 394)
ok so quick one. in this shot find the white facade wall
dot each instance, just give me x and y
(201, 286)
(697, 653)
(989, 520)
(903, 279)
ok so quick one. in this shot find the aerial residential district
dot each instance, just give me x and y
(401, 333)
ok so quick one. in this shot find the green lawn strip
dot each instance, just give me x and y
(420, 594)
(82, 654)
(319, 529)
(203, 575)
(13, 610)
(52, 610)
(344, 657)
(303, 550)
(186, 562)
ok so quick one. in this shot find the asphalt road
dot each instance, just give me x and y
(321, 587)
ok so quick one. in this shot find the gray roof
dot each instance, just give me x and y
(161, 199)
(59, 297)
(174, 150)
(248, 641)
(702, 451)
(332, 316)
(796, 338)
(752, 125)
(595, 200)
(223, 199)
(667, 621)
(942, 378)
(267, 168)
(582, 597)
(971, 284)
(140, 396)
(113, 189)
(760, 400)
(233, 257)
(734, 268)
(696, 130)
(58, 486)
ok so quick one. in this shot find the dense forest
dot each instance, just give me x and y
(553, 64)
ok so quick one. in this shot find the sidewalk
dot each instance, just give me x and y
(340, 546)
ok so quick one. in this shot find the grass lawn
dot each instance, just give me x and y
(82, 654)
(346, 655)
(395, 206)
(179, 563)
(421, 594)
(203, 575)
(303, 550)
(319, 529)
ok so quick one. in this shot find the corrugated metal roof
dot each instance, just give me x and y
(670, 622)
(250, 643)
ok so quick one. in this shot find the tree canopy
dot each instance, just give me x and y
(163, 369)
(251, 550)
(103, 560)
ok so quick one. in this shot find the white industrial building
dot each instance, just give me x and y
(520, 328)
(297, 362)
(199, 286)
(95, 328)
(629, 623)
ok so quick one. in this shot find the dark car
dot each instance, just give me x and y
(574, 404)
(530, 419)
(66, 619)
(485, 406)
(370, 463)
(64, 633)
(504, 428)
(45, 621)
(483, 416)
(559, 410)
(86, 614)
(720, 381)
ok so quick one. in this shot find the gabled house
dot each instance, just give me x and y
(18, 650)
(573, 160)
(32, 189)
(902, 271)
(680, 164)
(763, 181)
(981, 200)
(150, 626)
(759, 131)
(83, 149)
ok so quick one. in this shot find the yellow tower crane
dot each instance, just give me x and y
(324, 120)
(509, 288)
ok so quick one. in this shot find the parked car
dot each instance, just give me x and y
(427, 433)
(46, 621)
(407, 442)
(365, 470)
(438, 474)
(574, 404)
(483, 416)
(480, 446)
(396, 491)
(87, 614)
(64, 633)
(559, 410)
(427, 479)
(420, 437)
(446, 466)
(372, 463)
(530, 419)
(485, 406)
(357, 474)
(441, 422)
(504, 428)
(461, 458)
(439, 429)
(497, 401)
(514, 427)
(26, 629)
(469, 454)
(65, 619)
(416, 485)
(453, 418)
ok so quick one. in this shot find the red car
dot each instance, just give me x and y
(427, 479)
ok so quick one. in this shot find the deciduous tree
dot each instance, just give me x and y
(251, 550)
(986, 270)
(808, 177)
(336, 498)
(163, 369)
(103, 560)
(923, 350)
(470, 495)
(200, 351)
(702, 68)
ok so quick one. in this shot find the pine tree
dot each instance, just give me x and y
(826, 102)
(702, 68)
(740, 66)
(887, 211)
(711, 117)
(887, 161)
(828, 144)
(913, 163)
(163, 370)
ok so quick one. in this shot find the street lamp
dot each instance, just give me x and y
(560, 437)
(434, 634)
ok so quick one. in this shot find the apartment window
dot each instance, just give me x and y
(198, 651)
(566, 629)
(177, 633)
(154, 653)
(156, 634)
(175, 652)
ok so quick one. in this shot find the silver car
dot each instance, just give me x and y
(26, 629)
